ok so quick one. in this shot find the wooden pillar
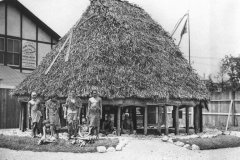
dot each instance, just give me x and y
(145, 120)
(187, 119)
(176, 118)
(21, 117)
(165, 120)
(200, 119)
(196, 119)
(159, 119)
(119, 121)
(233, 108)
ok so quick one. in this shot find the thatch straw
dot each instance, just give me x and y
(119, 48)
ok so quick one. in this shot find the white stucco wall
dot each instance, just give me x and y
(13, 21)
(43, 49)
(29, 29)
(2, 18)
(43, 36)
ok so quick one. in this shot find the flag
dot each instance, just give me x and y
(184, 30)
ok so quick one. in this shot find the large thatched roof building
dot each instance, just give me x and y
(118, 48)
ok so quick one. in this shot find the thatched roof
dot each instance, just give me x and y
(117, 47)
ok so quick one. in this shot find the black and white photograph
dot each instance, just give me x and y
(119, 79)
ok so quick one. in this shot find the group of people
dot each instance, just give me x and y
(72, 113)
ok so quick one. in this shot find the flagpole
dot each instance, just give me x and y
(189, 46)
(189, 61)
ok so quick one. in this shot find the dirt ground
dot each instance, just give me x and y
(138, 148)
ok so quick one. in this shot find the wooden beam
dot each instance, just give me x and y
(119, 121)
(201, 119)
(145, 120)
(165, 120)
(187, 119)
(159, 119)
(176, 118)
(233, 108)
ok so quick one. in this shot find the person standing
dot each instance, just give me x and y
(52, 114)
(34, 113)
(73, 107)
(94, 112)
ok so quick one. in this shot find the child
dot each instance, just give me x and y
(84, 129)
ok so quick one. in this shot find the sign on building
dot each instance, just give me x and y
(28, 54)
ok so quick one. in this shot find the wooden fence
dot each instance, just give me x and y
(221, 108)
(9, 110)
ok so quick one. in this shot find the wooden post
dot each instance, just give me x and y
(201, 119)
(159, 119)
(197, 119)
(176, 118)
(165, 120)
(233, 108)
(21, 117)
(119, 121)
(145, 120)
(187, 119)
(229, 112)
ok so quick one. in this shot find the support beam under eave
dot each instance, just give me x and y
(119, 121)
(165, 120)
(159, 119)
(176, 118)
(145, 120)
(201, 118)
(187, 119)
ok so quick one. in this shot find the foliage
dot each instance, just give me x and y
(27, 143)
(231, 67)
(211, 86)
(119, 48)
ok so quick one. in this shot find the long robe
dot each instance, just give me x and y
(94, 111)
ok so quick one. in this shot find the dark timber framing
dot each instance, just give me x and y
(39, 24)
(5, 39)
(37, 45)
(21, 34)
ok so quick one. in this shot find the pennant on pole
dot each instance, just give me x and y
(184, 30)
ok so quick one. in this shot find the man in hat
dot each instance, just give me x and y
(34, 113)
(94, 112)
(73, 108)
(52, 114)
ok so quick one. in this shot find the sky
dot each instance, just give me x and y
(214, 25)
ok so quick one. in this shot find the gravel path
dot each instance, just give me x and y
(137, 149)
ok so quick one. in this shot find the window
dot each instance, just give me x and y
(2, 44)
(13, 51)
(2, 49)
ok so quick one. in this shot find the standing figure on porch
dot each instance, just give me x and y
(94, 112)
(73, 108)
(34, 113)
(52, 114)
